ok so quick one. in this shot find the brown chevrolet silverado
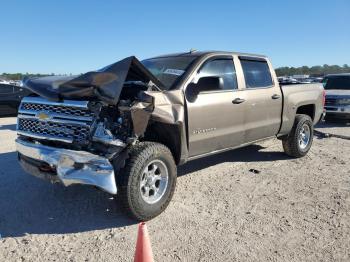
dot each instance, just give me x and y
(125, 128)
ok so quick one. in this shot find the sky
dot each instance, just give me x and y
(75, 36)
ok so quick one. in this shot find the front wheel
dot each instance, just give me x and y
(147, 182)
(299, 140)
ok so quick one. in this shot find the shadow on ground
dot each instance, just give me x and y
(30, 205)
(11, 127)
(246, 154)
(333, 123)
(335, 128)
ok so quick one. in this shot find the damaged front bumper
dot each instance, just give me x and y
(70, 166)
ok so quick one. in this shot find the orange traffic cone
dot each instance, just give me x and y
(143, 251)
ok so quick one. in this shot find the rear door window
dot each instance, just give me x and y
(256, 73)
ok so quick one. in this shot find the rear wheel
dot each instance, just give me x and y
(299, 140)
(147, 182)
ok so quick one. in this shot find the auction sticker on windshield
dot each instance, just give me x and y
(177, 72)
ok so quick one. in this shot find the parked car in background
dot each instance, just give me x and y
(4, 82)
(10, 98)
(287, 81)
(317, 79)
(337, 103)
(311, 80)
(16, 82)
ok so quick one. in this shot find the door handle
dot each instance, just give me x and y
(275, 96)
(238, 101)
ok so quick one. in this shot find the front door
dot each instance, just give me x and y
(214, 121)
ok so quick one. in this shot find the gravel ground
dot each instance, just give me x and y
(290, 210)
(335, 128)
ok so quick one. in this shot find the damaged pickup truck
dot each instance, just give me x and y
(126, 127)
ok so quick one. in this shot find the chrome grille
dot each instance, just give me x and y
(331, 108)
(331, 101)
(62, 110)
(60, 131)
(67, 121)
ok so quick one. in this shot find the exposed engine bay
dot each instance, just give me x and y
(117, 104)
(116, 127)
(106, 131)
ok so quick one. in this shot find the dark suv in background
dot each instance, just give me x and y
(10, 97)
(337, 88)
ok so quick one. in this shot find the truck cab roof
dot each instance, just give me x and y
(338, 75)
(205, 53)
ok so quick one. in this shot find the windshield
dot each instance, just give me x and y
(168, 70)
(337, 82)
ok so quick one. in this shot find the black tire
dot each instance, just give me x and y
(291, 144)
(129, 179)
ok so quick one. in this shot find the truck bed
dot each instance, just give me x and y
(295, 96)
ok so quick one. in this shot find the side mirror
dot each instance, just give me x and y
(207, 83)
(210, 83)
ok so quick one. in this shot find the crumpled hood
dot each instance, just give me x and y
(105, 84)
(337, 93)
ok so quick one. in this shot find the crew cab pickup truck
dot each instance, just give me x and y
(125, 128)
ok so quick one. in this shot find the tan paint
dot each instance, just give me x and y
(215, 124)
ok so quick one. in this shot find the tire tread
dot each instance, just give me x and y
(138, 156)
(290, 143)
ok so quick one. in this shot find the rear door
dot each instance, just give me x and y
(263, 105)
(214, 122)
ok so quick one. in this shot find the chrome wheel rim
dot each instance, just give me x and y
(304, 136)
(154, 181)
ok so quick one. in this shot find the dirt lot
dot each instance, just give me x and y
(292, 210)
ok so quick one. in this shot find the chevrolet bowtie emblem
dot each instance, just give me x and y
(43, 116)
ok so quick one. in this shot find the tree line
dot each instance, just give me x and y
(281, 71)
(314, 70)
(20, 76)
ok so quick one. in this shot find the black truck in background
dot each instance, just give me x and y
(10, 98)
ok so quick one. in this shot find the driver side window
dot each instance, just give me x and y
(223, 68)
